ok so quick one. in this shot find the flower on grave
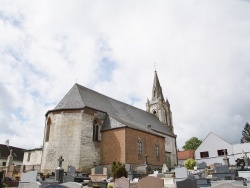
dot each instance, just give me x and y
(16, 176)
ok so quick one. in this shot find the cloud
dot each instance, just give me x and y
(200, 50)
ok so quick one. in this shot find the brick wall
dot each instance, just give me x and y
(149, 142)
(113, 146)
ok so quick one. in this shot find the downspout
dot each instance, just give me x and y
(125, 145)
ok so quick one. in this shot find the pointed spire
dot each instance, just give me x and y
(156, 91)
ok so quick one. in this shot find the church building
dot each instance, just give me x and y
(88, 128)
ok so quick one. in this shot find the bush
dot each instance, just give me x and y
(189, 164)
(118, 170)
(110, 186)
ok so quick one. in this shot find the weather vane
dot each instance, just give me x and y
(155, 66)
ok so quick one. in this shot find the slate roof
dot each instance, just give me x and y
(79, 97)
(5, 152)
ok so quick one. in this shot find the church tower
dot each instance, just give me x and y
(158, 106)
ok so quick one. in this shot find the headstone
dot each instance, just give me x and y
(181, 173)
(71, 170)
(99, 170)
(72, 185)
(202, 165)
(222, 169)
(128, 167)
(187, 183)
(164, 168)
(203, 183)
(30, 176)
(9, 159)
(244, 174)
(151, 182)
(10, 170)
(247, 161)
(122, 182)
(98, 173)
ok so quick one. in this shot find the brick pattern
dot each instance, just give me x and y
(113, 146)
(183, 155)
(149, 142)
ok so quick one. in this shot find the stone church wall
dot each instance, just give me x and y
(71, 138)
(170, 147)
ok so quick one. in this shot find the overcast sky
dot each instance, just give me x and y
(201, 50)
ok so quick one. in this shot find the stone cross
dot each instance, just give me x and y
(60, 160)
(244, 154)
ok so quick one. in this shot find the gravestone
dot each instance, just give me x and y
(244, 174)
(122, 182)
(99, 170)
(9, 171)
(222, 169)
(202, 165)
(98, 173)
(128, 167)
(203, 183)
(222, 173)
(72, 185)
(181, 173)
(151, 182)
(71, 170)
(213, 166)
(247, 161)
(30, 176)
(164, 168)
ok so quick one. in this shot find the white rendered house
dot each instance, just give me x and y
(213, 149)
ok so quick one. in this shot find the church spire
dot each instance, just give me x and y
(158, 106)
(156, 91)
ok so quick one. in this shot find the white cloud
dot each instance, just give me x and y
(200, 49)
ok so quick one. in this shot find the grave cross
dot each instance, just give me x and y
(60, 160)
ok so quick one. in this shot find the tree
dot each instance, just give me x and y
(118, 170)
(189, 164)
(246, 133)
(192, 144)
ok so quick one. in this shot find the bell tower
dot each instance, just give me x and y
(158, 106)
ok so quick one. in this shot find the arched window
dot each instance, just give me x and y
(139, 146)
(95, 130)
(157, 151)
(47, 130)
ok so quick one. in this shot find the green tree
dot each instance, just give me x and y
(246, 133)
(192, 144)
(189, 164)
(118, 170)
